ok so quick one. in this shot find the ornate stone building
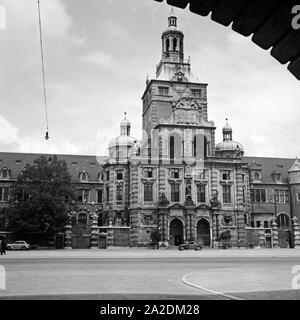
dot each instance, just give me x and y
(177, 180)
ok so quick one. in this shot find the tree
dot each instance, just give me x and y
(42, 197)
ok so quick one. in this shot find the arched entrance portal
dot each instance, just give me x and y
(203, 232)
(176, 232)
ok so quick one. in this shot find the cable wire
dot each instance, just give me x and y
(43, 69)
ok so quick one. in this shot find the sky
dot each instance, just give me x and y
(97, 56)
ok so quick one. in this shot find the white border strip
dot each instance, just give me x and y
(228, 296)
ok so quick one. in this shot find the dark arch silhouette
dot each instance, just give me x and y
(176, 232)
(269, 23)
(203, 232)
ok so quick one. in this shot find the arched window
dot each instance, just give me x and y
(175, 44)
(256, 176)
(171, 148)
(82, 218)
(83, 176)
(283, 221)
(200, 146)
(167, 45)
(5, 173)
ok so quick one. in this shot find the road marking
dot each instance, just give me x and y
(189, 283)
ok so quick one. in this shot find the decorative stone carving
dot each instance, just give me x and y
(163, 201)
(147, 219)
(189, 201)
(214, 202)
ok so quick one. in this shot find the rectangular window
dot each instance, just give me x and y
(196, 93)
(201, 193)
(83, 195)
(175, 193)
(282, 196)
(148, 173)
(298, 197)
(119, 193)
(119, 174)
(4, 194)
(258, 195)
(200, 174)
(107, 175)
(258, 224)
(174, 173)
(163, 91)
(266, 224)
(226, 194)
(107, 193)
(100, 196)
(148, 192)
(225, 175)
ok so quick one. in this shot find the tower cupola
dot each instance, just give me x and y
(125, 126)
(172, 41)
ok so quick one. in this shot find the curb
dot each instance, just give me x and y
(191, 284)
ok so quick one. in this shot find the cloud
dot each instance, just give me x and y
(101, 59)
(8, 132)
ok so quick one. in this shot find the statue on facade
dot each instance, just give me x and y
(189, 201)
(163, 201)
(214, 202)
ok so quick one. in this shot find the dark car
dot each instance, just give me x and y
(195, 245)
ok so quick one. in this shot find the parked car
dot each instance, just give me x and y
(196, 245)
(18, 245)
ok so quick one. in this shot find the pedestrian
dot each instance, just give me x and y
(3, 247)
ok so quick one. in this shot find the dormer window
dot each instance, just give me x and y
(83, 176)
(5, 173)
(100, 177)
(276, 176)
(256, 175)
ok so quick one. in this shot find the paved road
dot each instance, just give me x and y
(154, 277)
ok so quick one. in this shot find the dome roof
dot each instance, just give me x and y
(227, 127)
(122, 140)
(229, 145)
(125, 122)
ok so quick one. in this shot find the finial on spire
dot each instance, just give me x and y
(172, 19)
(147, 79)
(125, 113)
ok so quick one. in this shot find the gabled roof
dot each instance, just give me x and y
(295, 167)
(76, 163)
(268, 165)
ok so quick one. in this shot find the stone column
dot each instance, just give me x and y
(216, 226)
(68, 236)
(275, 234)
(94, 233)
(110, 235)
(192, 226)
(296, 232)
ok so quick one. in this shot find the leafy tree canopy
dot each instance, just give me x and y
(41, 197)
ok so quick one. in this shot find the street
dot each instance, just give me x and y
(150, 274)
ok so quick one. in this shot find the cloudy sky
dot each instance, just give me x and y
(97, 56)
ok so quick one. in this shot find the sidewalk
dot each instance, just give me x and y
(141, 253)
